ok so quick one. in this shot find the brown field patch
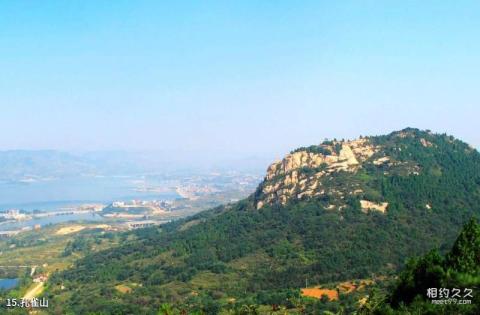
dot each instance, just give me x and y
(343, 287)
(70, 229)
(123, 288)
(319, 292)
(364, 283)
(346, 287)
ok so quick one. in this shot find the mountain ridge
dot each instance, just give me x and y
(265, 254)
(301, 173)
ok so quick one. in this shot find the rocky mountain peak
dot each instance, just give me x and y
(299, 174)
(343, 173)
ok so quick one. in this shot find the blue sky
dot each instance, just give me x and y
(234, 78)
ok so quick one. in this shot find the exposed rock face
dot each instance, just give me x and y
(381, 161)
(300, 173)
(425, 143)
(350, 154)
(372, 206)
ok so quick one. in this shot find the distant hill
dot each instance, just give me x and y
(333, 211)
(34, 164)
(20, 164)
(17, 165)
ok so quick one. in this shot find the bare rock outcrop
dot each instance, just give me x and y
(301, 172)
(373, 206)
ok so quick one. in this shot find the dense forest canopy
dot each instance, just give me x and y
(455, 276)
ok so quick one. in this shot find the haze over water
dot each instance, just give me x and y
(58, 193)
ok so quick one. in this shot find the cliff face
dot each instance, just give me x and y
(300, 173)
(331, 170)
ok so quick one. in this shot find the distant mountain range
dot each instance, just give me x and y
(25, 164)
(334, 211)
(37, 164)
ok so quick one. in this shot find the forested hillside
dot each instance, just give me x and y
(454, 278)
(346, 210)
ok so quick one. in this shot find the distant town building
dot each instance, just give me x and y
(15, 214)
(8, 234)
(141, 224)
(40, 278)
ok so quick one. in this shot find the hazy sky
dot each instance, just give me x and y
(251, 77)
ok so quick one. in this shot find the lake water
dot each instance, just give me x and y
(59, 193)
(7, 284)
(51, 195)
(88, 217)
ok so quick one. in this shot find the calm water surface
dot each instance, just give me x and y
(8, 283)
(55, 194)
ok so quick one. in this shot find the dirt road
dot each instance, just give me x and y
(34, 291)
